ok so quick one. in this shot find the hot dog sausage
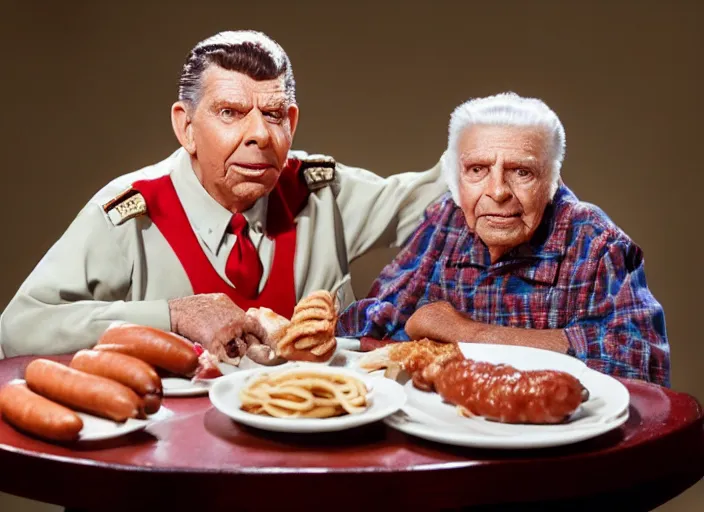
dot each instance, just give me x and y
(82, 391)
(154, 346)
(502, 393)
(152, 403)
(128, 370)
(35, 414)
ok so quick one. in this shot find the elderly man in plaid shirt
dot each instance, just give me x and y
(510, 255)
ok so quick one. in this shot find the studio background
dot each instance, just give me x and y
(86, 91)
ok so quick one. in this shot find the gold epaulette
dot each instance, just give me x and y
(126, 205)
(318, 171)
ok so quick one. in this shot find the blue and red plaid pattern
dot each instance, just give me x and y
(580, 273)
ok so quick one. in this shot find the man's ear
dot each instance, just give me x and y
(293, 118)
(183, 128)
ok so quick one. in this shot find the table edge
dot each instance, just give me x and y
(697, 423)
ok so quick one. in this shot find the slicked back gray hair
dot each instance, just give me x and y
(246, 51)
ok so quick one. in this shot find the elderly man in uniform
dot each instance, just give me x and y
(233, 219)
(512, 256)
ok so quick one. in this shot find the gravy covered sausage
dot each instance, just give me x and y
(128, 370)
(502, 393)
(35, 414)
(159, 348)
(82, 391)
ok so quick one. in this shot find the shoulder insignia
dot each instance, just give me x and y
(125, 206)
(318, 171)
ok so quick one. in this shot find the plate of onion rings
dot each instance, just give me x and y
(306, 398)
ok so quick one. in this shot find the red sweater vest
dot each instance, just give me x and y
(285, 202)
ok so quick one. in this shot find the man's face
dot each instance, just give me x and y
(504, 183)
(241, 131)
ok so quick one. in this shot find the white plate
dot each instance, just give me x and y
(523, 358)
(183, 387)
(96, 429)
(425, 415)
(352, 344)
(179, 387)
(386, 397)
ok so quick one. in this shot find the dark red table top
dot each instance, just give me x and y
(200, 458)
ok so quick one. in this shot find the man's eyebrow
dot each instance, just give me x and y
(274, 103)
(528, 161)
(475, 154)
(229, 102)
(484, 157)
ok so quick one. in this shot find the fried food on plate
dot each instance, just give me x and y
(304, 393)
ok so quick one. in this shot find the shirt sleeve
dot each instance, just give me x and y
(395, 293)
(75, 292)
(383, 212)
(619, 328)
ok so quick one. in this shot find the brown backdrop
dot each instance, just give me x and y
(86, 92)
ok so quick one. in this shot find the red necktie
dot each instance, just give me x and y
(243, 267)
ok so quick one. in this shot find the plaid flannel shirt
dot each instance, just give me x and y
(579, 273)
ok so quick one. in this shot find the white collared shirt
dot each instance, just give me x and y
(210, 220)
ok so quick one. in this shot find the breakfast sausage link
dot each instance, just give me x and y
(82, 391)
(503, 393)
(152, 403)
(32, 413)
(159, 348)
(125, 369)
(128, 370)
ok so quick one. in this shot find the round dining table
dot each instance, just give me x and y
(200, 459)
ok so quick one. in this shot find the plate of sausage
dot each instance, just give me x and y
(74, 407)
(184, 368)
(499, 396)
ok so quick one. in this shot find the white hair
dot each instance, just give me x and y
(505, 109)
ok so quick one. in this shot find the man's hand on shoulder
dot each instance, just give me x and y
(210, 319)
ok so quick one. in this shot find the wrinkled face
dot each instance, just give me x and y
(504, 183)
(239, 135)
